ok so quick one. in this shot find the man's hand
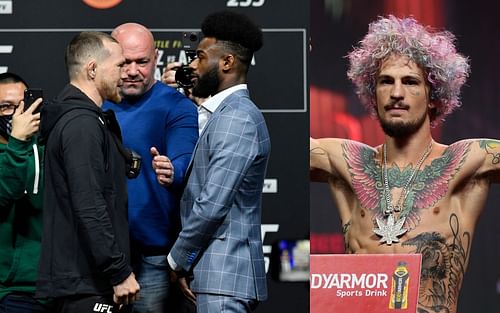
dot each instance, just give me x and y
(183, 285)
(127, 291)
(164, 169)
(168, 76)
(25, 124)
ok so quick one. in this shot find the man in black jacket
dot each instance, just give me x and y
(85, 258)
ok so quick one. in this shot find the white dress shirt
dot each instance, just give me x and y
(211, 104)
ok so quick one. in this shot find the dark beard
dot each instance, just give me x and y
(207, 84)
(402, 129)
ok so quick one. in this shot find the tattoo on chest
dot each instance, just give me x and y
(430, 184)
(443, 266)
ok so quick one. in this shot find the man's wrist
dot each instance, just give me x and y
(171, 263)
(179, 271)
(20, 136)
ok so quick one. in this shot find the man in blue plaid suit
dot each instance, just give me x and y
(220, 241)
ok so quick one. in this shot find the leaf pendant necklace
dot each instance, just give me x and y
(392, 227)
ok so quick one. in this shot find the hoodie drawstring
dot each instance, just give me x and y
(37, 169)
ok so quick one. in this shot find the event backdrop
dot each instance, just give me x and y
(338, 25)
(33, 35)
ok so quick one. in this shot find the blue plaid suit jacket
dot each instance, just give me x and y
(221, 205)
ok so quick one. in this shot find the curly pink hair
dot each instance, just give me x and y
(434, 52)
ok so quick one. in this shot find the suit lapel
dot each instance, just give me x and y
(190, 166)
(219, 109)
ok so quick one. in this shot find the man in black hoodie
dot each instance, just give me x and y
(85, 258)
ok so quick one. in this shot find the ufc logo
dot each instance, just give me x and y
(245, 3)
(100, 307)
(267, 228)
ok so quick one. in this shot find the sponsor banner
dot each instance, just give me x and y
(289, 82)
(365, 283)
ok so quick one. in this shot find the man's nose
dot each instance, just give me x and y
(397, 91)
(194, 64)
(131, 69)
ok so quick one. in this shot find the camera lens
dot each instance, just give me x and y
(193, 37)
(183, 77)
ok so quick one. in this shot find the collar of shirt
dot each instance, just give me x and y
(203, 116)
(213, 102)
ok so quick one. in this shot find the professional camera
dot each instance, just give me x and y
(183, 75)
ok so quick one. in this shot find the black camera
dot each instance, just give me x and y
(183, 75)
(133, 165)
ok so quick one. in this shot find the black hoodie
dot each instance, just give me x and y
(85, 242)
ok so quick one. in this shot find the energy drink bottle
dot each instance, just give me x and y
(399, 289)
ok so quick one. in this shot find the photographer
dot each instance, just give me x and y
(21, 189)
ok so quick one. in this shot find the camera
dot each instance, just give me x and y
(183, 75)
(133, 165)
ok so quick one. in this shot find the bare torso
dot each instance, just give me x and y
(440, 211)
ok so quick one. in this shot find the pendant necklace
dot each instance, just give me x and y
(393, 227)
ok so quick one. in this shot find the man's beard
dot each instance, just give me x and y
(401, 129)
(111, 92)
(133, 93)
(207, 84)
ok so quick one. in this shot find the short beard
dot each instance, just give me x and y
(111, 93)
(207, 84)
(402, 129)
(132, 94)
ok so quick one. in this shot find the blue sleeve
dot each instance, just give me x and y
(181, 136)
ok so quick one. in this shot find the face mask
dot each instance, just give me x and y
(5, 125)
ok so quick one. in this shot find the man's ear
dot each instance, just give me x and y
(228, 62)
(157, 55)
(91, 68)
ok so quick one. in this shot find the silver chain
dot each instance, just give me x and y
(390, 209)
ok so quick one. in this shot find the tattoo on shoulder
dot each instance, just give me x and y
(443, 266)
(489, 145)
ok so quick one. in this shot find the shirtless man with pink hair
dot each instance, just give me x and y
(410, 194)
